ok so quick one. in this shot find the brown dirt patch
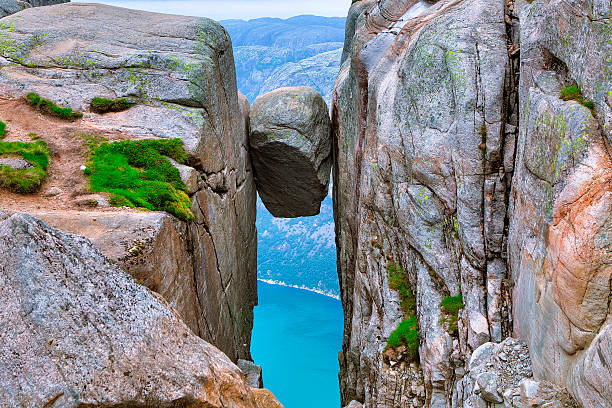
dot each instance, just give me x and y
(67, 154)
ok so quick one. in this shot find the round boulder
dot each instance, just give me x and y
(290, 143)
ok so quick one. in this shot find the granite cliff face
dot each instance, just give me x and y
(78, 331)
(439, 174)
(180, 71)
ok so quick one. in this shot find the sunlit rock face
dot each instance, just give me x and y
(439, 173)
(78, 331)
(290, 144)
(180, 71)
(560, 244)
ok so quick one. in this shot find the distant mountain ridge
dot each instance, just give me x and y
(272, 52)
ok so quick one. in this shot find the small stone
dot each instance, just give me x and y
(252, 372)
(53, 191)
(488, 386)
(83, 168)
(503, 356)
(529, 388)
(15, 163)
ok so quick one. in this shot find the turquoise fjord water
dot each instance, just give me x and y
(296, 338)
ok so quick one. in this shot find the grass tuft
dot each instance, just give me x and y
(51, 108)
(104, 105)
(451, 306)
(136, 174)
(407, 332)
(573, 93)
(25, 181)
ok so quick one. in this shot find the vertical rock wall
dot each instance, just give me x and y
(422, 172)
(426, 123)
(560, 244)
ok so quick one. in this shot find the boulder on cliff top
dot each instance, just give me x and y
(291, 150)
(8, 7)
(78, 331)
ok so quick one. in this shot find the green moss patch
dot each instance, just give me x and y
(104, 105)
(450, 307)
(574, 93)
(407, 332)
(51, 108)
(398, 281)
(29, 180)
(137, 174)
(2, 129)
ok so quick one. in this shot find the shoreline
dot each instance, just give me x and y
(318, 291)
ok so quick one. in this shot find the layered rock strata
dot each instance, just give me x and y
(290, 144)
(78, 331)
(180, 71)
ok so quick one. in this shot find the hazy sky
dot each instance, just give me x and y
(243, 9)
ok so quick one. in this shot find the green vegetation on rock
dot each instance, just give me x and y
(104, 105)
(137, 173)
(51, 108)
(574, 93)
(28, 180)
(2, 129)
(407, 332)
(450, 306)
(398, 281)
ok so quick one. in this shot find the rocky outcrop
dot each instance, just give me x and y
(501, 374)
(290, 144)
(8, 7)
(560, 246)
(78, 331)
(421, 175)
(438, 174)
(252, 373)
(180, 71)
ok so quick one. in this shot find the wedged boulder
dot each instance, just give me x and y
(291, 150)
(78, 331)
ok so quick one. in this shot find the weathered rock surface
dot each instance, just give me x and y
(14, 163)
(501, 374)
(265, 399)
(422, 170)
(560, 244)
(427, 150)
(252, 373)
(180, 70)
(78, 331)
(291, 150)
